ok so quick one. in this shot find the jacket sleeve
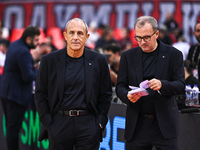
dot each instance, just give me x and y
(122, 80)
(105, 93)
(41, 93)
(176, 84)
(25, 64)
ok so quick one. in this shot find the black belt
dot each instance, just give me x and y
(152, 117)
(73, 112)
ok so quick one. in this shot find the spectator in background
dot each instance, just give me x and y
(189, 79)
(45, 48)
(163, 35)
(4, 32)
(1, 33)
(36, 55)
(49, 41)
(182, 45)
(177, 33)
(194, 51)
(170, 23)
(94, 35)
(106, 39)
(125, 42)
(16, 83)
(39, 51)
(3, 50)
(114, 52)
(102, 29)
(64, 43)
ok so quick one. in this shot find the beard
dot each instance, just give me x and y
(198, 39)
(32, 45)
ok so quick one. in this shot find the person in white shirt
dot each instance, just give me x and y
(94, 35)
(183, 46)
(3, 50)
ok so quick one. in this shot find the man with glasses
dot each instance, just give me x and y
(151, 120)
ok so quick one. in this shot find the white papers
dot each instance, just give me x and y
(140, 90)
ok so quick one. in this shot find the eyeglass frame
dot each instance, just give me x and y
(144, 37)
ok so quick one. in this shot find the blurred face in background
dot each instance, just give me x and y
(45, 48)
(197, 32)
(113, 57)
(3, 48)
(33, 42)
(36, 55)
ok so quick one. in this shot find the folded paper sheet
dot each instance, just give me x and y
(142, 89)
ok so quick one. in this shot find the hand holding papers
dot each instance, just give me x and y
(141, 90)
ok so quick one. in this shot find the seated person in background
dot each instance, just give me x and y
(182, 45)
(170, 22)
(36, 55)
(49, 41)
(3, 50)
(189, 79)
(94, 35)
(125, 42)
(45, 48)
(114, 51)
(164, 36)
(106, 39)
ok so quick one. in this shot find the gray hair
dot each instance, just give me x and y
(141, 21)
(77, 19)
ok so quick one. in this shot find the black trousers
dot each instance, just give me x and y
(148, 135)
(14, 114)
(74, 133)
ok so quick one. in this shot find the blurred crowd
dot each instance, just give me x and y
(103, 38)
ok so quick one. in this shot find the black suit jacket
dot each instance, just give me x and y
(169, 70)
(18, 74)
(50, 86)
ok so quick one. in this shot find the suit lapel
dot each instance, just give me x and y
(61, 65)
(89, 67)
(138, 65)
(162, 60)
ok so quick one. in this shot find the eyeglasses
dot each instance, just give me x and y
(145, 38)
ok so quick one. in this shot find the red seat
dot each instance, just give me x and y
(42, 36)
(132, 34)
(117, 34)
(57, 36)
(1, 70)
(16, 34)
